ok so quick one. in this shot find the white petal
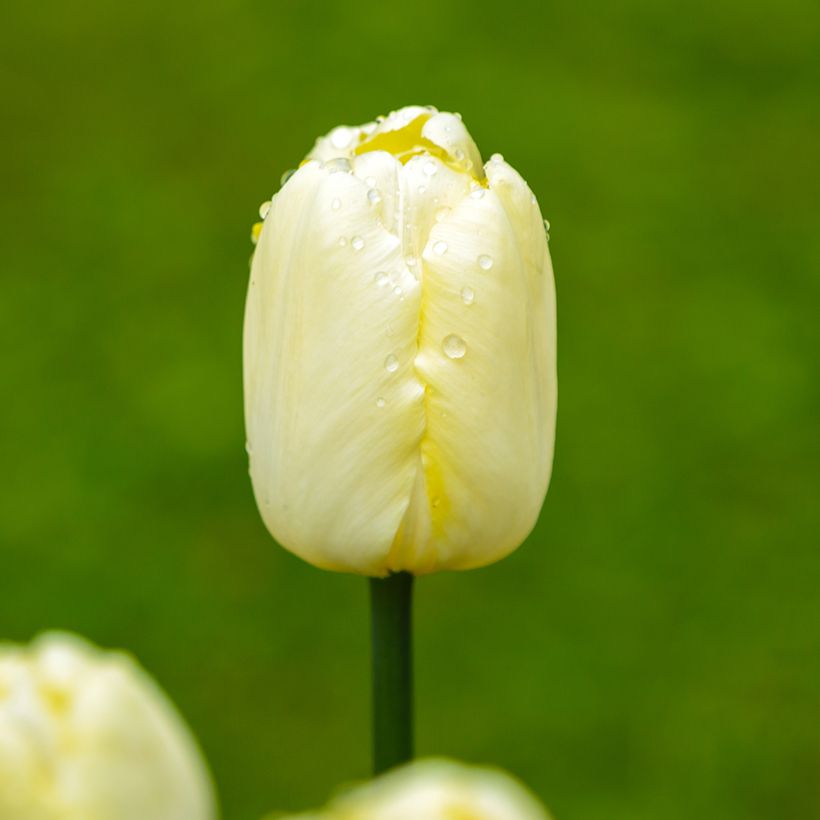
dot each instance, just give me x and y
(333, 407)
(449, 133)
(487, 445)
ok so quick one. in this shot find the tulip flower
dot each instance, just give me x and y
(436, 790)
(399, 352)
(87, 735)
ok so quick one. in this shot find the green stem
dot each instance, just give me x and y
(391, 611)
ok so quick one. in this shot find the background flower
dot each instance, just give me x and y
(87, 735)
(435, 790)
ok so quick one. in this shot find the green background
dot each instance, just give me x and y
(653, 650)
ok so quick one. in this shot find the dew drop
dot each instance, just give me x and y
(398, 291)
(485, 262)
(342, 241)
(440, 247)
(286, 176)
(248, 448)
(430, 168)
(467, 295)
(391, 364)
(547, 225)
(340, 165)
(336, 203)
(357, 243)
(381, 278)
(478, 193)
(374, 197)
(264, 209)
(380, 402)
(459, 154)
(497, 158)
(410, 261)
(340, 137)
(442, 214)
(422, 189)
(454, 347)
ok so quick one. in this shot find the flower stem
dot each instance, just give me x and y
(391, 612)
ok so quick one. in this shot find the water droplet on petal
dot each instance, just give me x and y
(374, 197)
(485, 262)
(342, 241)
(381, 278)
(264, 209)
(547, 225)
(248, 448)
(336, 203)
(440, 247)
(380, 402)
(410, 261)
(286, 176)
(357, 243)
(430, 168)
(422, 189)
(340, 165)
(454, 347)
(340, 137)
(391, 364)
(442, 214)
(477, 193)
(398, 291)
(497, 158)
(467, 295)
(459, 154)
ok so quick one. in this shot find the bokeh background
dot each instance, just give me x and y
(653, 650)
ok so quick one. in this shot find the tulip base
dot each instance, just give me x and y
(391, 631)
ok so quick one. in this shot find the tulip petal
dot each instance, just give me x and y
(334, 411)
(486, 357)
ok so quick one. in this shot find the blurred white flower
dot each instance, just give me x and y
(87, 735)
(435, 790)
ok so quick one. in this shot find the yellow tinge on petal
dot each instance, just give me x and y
(400, 352)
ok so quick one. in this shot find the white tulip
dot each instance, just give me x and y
(399, 352)
(436, 790)
(87, 735)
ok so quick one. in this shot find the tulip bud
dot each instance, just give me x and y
(399, 352)
(435, 790)
(87, 735)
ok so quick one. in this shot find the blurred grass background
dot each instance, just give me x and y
(653, 651)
